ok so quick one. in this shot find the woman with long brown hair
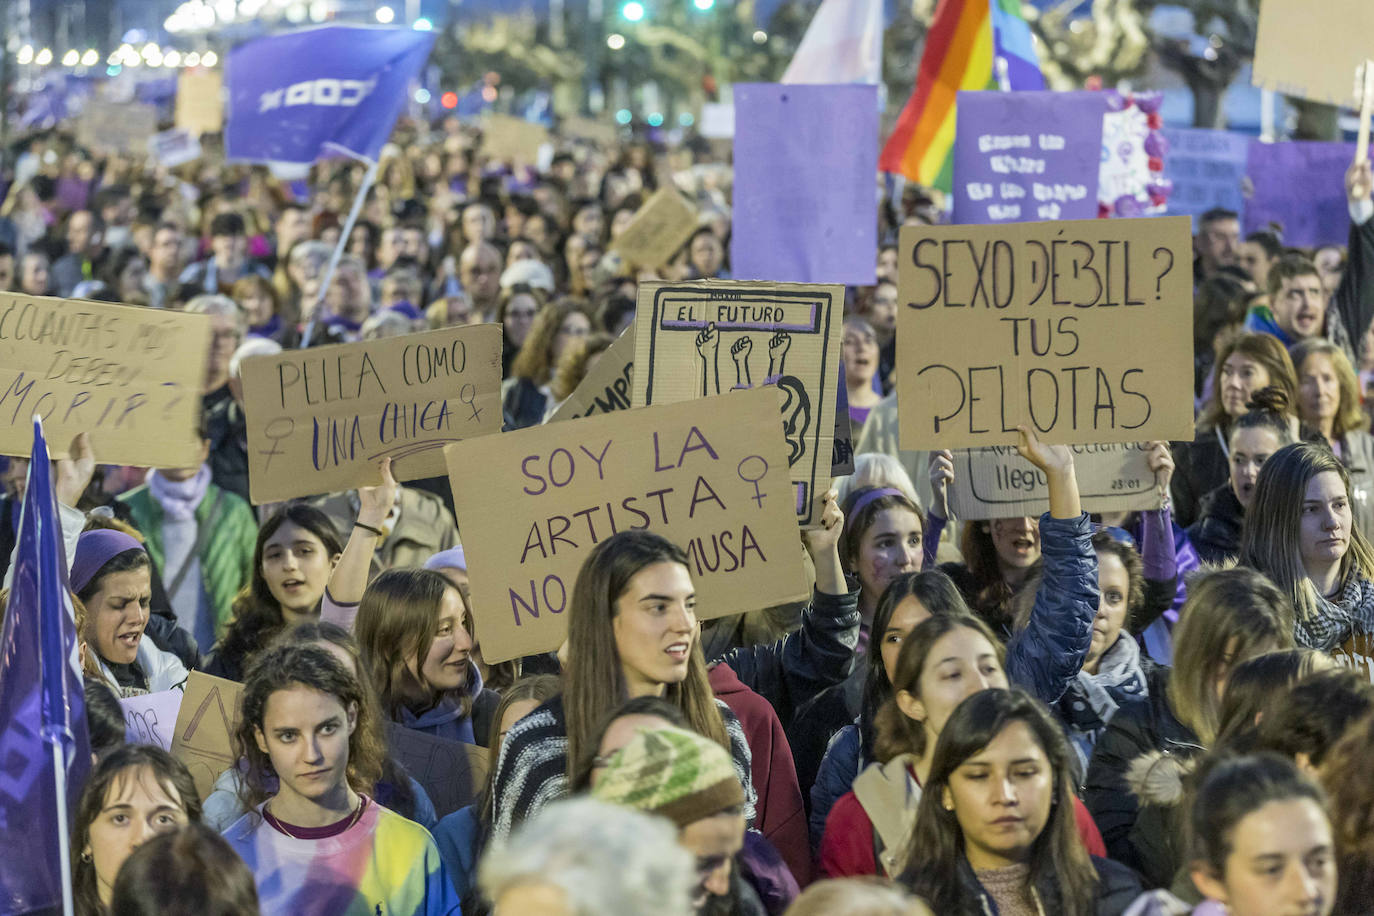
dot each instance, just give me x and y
(632, 631)
(525, 395)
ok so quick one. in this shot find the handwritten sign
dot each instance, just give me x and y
(662, 226)
(1206, 168)
(996, 482)
(505, 137)
(1301, 186)
(174, 147)
(151, 718)
(607, 386)
(116, 128)
(200, 101)
(1311, 50)
(1022, 156)
(710, 475)
(129, 376)
(205, 725)
(319, 420)
(700, 339)
(451, 772)
(1079, 329)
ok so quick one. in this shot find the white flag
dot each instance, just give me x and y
(843, 44)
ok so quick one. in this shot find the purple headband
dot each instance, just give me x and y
(453, 558)
(94, 549)
(871, 495)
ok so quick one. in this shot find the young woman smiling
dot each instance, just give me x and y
(318, 845)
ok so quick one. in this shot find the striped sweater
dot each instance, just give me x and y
(532, 769)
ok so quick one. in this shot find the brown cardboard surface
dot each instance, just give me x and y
(200, 101)
(598, 131)
(204, 738)
(1311, 49)
(505, 137)
(116, 127)
(1080, 329)
(320, 419)
(131, 377)
(662, 226)
(708, 474)
(607, 386)
(709, 336)
(451, 772)
(995, 482)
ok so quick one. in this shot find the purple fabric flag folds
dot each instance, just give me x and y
(289, 96)
(805, 201)
(41, 702)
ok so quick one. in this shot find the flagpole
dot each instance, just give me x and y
(369, 177)
(64, 843)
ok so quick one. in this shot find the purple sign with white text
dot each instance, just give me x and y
(1301, 187)
(1023, 156)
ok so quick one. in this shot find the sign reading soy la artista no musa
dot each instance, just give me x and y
(130, 377)
(710, 475)
(320, 420)
(1081, 330)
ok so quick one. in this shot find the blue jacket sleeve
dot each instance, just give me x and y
(839, 769)
(802, 664)
(1047, 655)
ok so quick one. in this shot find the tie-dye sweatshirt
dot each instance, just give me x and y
(384, 865)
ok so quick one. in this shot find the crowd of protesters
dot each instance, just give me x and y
(1164, 712)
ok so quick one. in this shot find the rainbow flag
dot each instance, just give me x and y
(972, 44)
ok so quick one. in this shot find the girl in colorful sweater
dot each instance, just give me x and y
(318, 845)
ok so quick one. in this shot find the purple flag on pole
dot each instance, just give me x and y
(1301, 186)
(806, 195)
(42, 703)
(289, 96)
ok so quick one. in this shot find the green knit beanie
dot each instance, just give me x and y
(671, 772)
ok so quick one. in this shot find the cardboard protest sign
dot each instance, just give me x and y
(116, 128)
(842, 451)
(1081, 330)
(1357, 654)
(662, 226)
(205, 725)
(200, 101)
(505, 137)
(151, 718)
(129, 376)
(783, 334)
(607, 386)
(451, 772)
(1311, 50)
(717, 120)
(603, 132)
(804, 208)
(319, 420)
(996, 482)
(1206, 168)
(174, 147)
(1301, 186)
(709, 475)
(1022, 156)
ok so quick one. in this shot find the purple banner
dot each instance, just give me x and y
(805, 199)
(1301, 187)
(1206, 167)
(1021, 156)
(289, 96)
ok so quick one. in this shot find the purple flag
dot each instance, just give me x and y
(805, 200)
(1300, 186)
(42, 703)
(289, 96)
(1022, 156)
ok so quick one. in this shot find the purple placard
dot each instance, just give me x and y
(1021, 156)
(805, 203)
(1301, 186)
(1206, 167)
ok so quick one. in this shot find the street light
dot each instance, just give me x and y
(44, 57)
(423, 25)
(208, 59)
(90, 58)
(25, 55)
(633, 11)
(385, 15)
(193, 59)
(71, 58)
(615, 41)
(703, 5)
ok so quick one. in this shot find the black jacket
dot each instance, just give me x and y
(1138, 730)
(1117, 889)
(1200, 467)
(1216, 533)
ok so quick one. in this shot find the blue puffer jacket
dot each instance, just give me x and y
(1044, 658)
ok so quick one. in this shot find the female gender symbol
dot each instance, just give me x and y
(757, 497)
(468, 395)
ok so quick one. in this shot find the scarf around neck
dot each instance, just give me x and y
(1333, 622)
(179, 499)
